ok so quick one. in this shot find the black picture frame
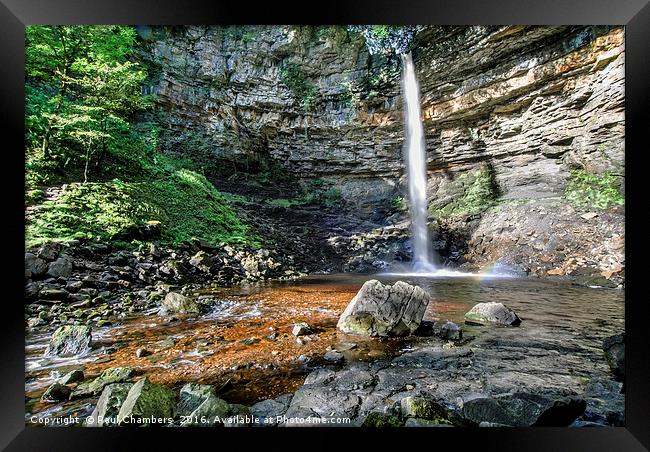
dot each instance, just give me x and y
(634, 14)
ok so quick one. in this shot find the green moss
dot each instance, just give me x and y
(399, 203)
(593, 190)
(184, 202)
(479, 192)
(376, 419)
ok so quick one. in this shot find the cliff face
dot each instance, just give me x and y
(510, 114)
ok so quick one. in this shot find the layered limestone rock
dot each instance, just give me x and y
(528, 105)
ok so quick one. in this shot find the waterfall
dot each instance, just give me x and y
(416, 162)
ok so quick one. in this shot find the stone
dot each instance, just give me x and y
(268, 411)
(384, 310)
(60, 267)
(108, 376)
(70, 340)
(240, 416)
(451, 331)
(377, 419)
(34, 266)
(614, 348)
(423, 408)
(57, 392)
(415, 422)
(201, 260)
(492, 313)
(49, 251)
(333, 356)
(54, 294)
(141, 352)
(108, 406)
(175, 303)
(523, 410)
(74, 376)
(147, 400)
(201, 405)
(301, 329)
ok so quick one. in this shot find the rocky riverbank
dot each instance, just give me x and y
(560, 364)
(98, 284)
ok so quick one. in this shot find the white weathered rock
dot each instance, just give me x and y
(492, 312)
(384, 310)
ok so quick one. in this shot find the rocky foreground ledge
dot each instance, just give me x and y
(506, 375)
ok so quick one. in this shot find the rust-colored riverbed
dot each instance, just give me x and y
(245, 346)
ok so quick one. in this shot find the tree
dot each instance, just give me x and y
(81, 89)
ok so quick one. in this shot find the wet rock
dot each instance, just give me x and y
(605, 402)
(108, 405)
(147, 400)
(333, 356)
(492, 313)
(73, 376)
(56, 393)
(451, 331)
(268, 410)
(109, 376)
(34, 266)
(614, 348)
(384, 310)
(60, 267)
(344, 346)
(70, 340)
(249, 341)
(175, 303)
(201, 404)
(301, 329)
(523, 410)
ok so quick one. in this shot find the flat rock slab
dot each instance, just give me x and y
(384, 310)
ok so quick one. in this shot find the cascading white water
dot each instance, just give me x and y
(416, 162)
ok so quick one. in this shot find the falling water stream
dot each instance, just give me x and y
(416, 163)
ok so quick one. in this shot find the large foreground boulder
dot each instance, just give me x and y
(201, 406)
(384, 310)
(69, 340)
(147, 403)
(522, 410)
(492, 313)
(108, 405)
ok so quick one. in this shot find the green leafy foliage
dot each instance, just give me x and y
(81, 94)
(399, 203)
(185, 204)
(304, 91)
(599, 191)
(386, 39)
